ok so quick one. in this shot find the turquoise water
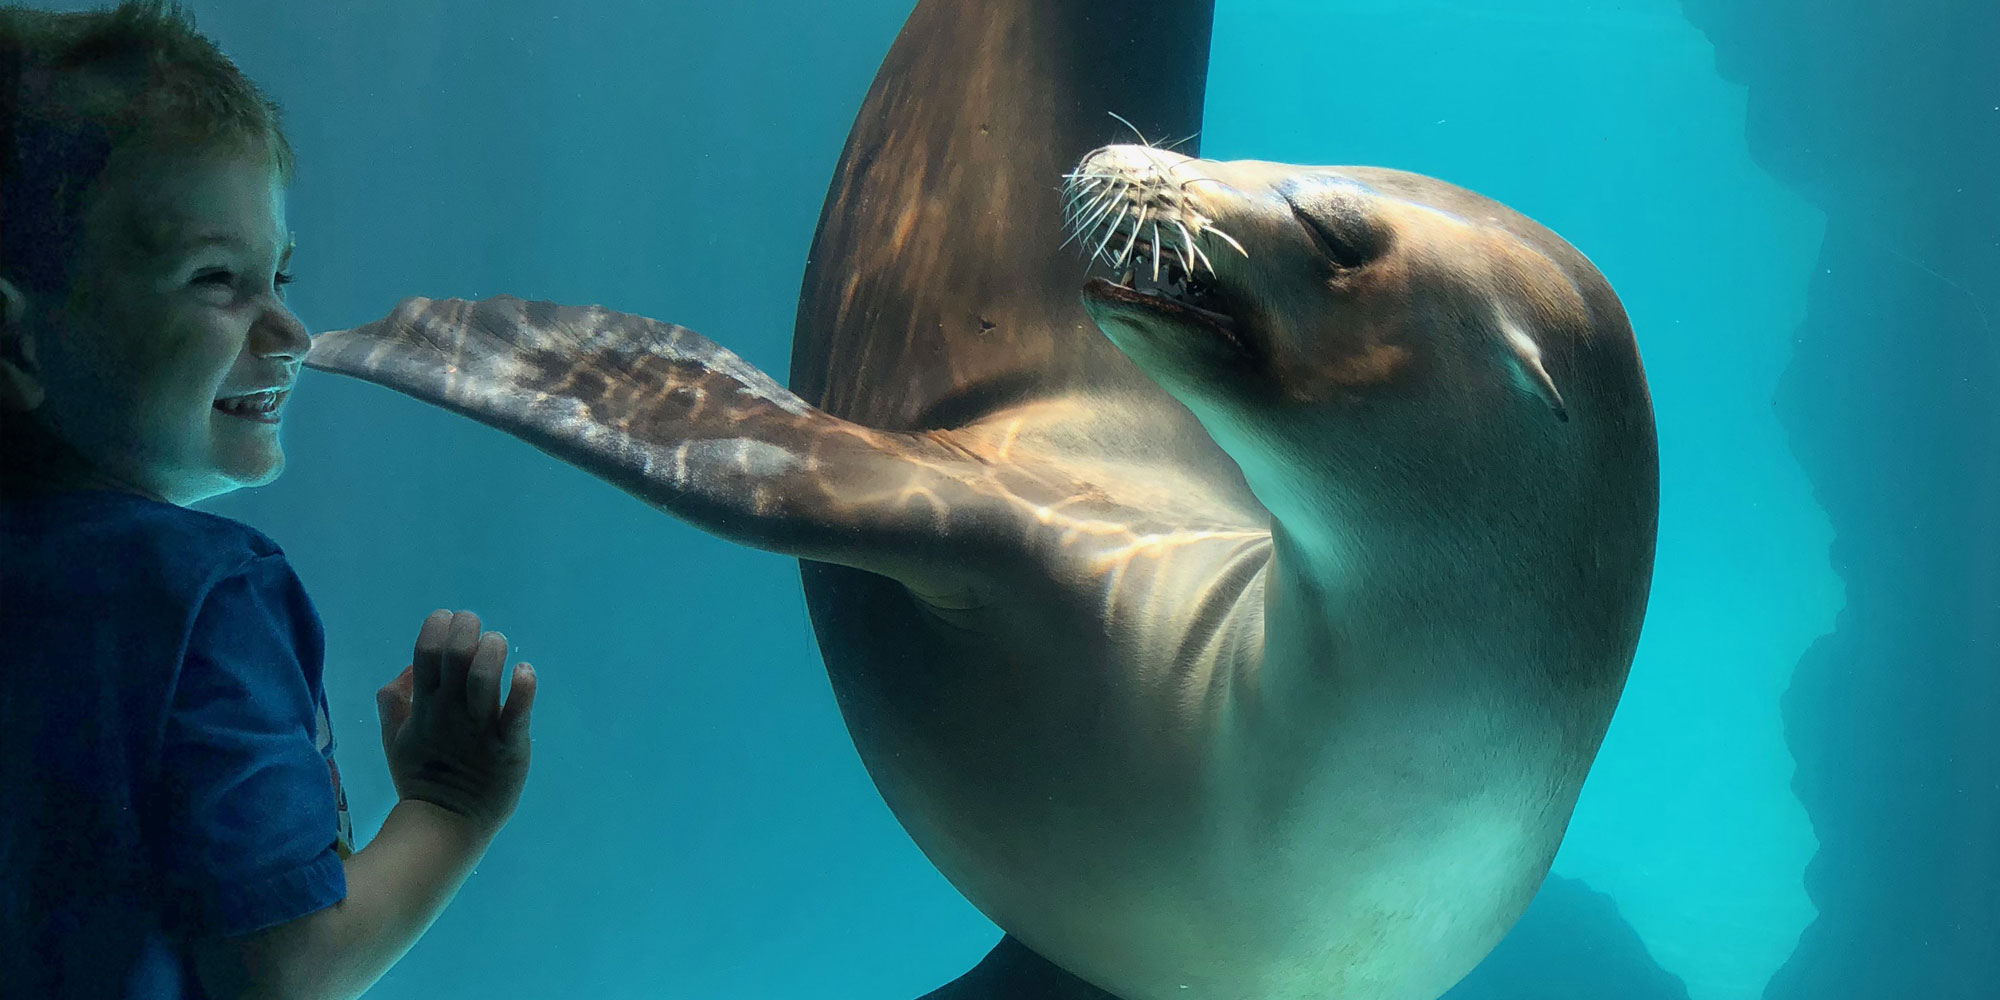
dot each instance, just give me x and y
(1800, 796)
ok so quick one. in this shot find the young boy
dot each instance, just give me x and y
(170, 822)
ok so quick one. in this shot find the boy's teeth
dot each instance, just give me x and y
(256, 402)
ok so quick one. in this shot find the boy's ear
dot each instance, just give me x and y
(19, 388)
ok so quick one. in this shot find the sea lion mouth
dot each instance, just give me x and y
(1170, 291)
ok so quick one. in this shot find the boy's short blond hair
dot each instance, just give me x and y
(86, 96)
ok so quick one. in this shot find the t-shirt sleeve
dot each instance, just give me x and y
(250, 817)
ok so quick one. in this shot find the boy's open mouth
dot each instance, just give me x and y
(259, 406)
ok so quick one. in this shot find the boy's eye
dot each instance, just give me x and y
(227, 279)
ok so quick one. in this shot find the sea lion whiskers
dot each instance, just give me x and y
(1143, 141)
(1209, 226)
(1183, 208)
(1107, 187)
(1187, 240)
(1111, 230)
(1079, 178)
(1084, 184)
(1126, 254)
(1096, 210)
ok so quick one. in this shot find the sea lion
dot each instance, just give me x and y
(1241, 628)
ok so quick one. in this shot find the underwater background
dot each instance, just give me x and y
(1800, 796)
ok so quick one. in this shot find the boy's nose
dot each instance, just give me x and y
(280, 334)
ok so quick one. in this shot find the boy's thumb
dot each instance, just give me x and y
(392, 704)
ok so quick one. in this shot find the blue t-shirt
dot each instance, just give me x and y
(166, 767)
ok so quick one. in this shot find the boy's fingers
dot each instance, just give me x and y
(482, 682)
(461, 643)
(428, 659)
(392, 704)
(520, 701)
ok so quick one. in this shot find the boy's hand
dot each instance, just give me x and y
(449, 741)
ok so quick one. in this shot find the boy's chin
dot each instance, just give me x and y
(242, 471)
(258, 472)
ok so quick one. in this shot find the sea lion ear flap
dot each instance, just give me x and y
(1526, 358)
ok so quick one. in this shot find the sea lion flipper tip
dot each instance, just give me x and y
(670, 417)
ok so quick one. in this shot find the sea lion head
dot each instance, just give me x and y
(1342, 328)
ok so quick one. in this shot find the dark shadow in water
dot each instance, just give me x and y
(1571, 945)
(1886, 115)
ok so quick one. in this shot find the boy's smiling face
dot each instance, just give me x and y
(167, 363)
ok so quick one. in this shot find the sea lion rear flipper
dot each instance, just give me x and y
(675, 420)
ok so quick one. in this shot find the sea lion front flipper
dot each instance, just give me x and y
(677, 421)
